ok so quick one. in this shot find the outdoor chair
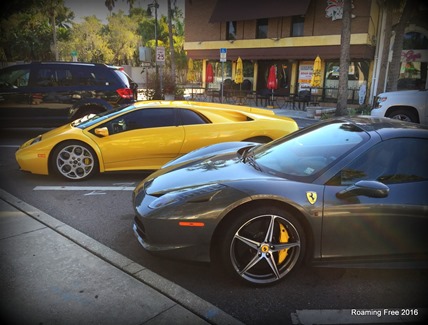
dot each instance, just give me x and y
(304, 97)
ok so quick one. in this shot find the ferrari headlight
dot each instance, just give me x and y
(195, 194)
(164, 200)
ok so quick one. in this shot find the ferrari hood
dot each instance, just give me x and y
(218, 169)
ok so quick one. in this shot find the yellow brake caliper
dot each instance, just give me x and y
(283, 238)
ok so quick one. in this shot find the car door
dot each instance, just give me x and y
(356, 223)
(141, 139)
(199, 131)
(15, 99)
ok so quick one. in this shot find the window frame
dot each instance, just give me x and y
(261, 24)
(297, 26)
(231, 36)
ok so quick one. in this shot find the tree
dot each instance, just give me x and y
(28, 32)
(171, 41)
(52, 8)
(89, 41)
(345, 41)
(122, 37)
(26, 36)
(394, 69)
(388, 7)
(110, 4)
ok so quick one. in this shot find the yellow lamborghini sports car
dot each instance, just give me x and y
(145, 136)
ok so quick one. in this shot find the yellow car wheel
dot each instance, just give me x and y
(262, 245)
(74, 160)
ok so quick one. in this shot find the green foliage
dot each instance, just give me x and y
(26, 29)
(360, 110)
(122, 38)
(26, 34)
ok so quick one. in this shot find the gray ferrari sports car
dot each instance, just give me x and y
(344, 192)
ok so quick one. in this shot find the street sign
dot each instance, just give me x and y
(74, 55)
(223, 53)
(160, 55)
(145, 54)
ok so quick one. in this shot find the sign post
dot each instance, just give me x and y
(74, 55)
(160, 60)
(223, 55)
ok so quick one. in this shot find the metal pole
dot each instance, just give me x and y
(155, 5)
(222, 83)
(156, 41)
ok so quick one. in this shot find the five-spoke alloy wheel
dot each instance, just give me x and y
(75, 161)
(262, 245)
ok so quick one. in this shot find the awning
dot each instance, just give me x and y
(227, 10)
(361, 52)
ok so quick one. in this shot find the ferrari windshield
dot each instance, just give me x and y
(306, 154)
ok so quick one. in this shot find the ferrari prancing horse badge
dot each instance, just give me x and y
(311, 196)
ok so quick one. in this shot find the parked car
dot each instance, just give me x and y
(50, 94)
(144, 136)
(345, 192)
(405, 105)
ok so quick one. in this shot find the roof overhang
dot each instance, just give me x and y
(364, 52)
(235, 10)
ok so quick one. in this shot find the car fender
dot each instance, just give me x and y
(85, 140)
(297, 199)
(82, 105)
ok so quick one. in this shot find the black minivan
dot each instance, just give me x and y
(50, 94)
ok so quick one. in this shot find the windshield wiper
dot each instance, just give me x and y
(248, 157)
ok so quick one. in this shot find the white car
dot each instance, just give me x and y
(406, 105)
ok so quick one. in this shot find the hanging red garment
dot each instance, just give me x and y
(209, 73)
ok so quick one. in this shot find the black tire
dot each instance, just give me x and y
(404, 115)
(250, 245)
(74, 160)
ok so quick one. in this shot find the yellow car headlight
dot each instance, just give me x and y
(36, 139)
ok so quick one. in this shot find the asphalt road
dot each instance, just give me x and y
(106, 215)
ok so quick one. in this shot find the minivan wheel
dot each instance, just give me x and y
(74, 161)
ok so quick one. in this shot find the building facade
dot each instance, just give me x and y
(290, 35)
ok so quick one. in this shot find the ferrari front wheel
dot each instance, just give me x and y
(74, 161)
(262, 245)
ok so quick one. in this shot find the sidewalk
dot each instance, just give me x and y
(54, 274)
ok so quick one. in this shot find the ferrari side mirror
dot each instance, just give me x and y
(366, 188)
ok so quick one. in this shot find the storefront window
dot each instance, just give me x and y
(297, 25)
(231, 30)
(248, 75)
(262, 28)
(413, 70)
(358, 73)
(218, 67)
(283, 74)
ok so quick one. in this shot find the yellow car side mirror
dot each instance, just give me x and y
(103, 132)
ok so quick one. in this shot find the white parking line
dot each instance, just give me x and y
(359, 316)
(84, 188)
(9, 146)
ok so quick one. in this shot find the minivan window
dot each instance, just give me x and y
(53, 77)
(91, 76)
(14, 78)
(124, 77)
